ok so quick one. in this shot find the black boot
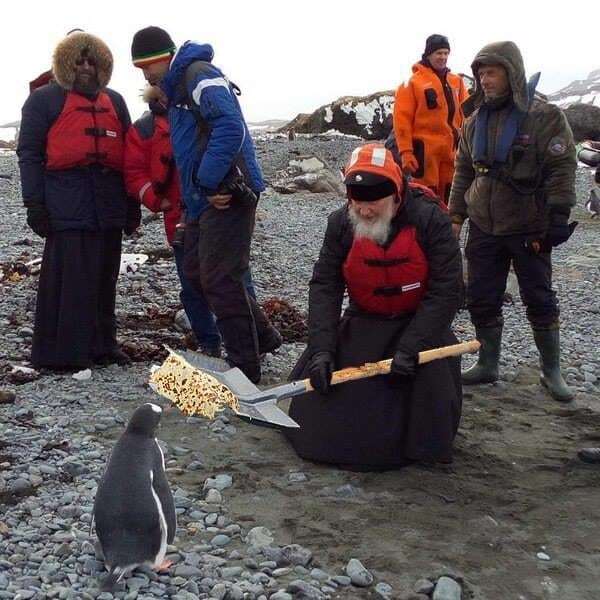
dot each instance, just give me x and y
(241, 345)
(269, 339)
(548, 345)
(486, 368)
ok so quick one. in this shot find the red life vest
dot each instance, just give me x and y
(162, 163)
(388, 281)
(86, 132)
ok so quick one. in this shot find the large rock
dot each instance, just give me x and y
(308, 173)
(368, 117)
(584, 120)
(585, 91)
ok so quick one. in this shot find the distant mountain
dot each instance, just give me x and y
(268, 125)
(584, 91)
(13, 124)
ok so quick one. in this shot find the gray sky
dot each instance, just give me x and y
(291, 57)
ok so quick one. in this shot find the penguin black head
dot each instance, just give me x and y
(145, 420)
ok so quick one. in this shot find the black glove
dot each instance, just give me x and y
(404, 364)
(559, 231)
(38, 219)
(133, 218)
(320, 369)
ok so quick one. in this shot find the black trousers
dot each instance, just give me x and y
(489, 258)
(216, 259)
(75, 314)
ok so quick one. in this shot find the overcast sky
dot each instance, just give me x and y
(291, 57)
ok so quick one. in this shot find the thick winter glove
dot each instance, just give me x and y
(404, 364)
(38, 219)
(133, 218)
(559, 231)
(320, 369)
(410, 164)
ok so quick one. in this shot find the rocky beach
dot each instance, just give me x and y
(516, 516)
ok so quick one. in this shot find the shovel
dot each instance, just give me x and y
(255, 404)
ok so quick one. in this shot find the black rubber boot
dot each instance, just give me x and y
(548, 345)
(485, 370)
(241, 345)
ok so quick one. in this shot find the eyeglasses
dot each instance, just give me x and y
(85, 59)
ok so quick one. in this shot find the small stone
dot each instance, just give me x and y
(342, 580)
(259, 537)
(297, 477)
(187, 571)
(447, 589)
(230, 572)
(84, 375)
(220, 482)
(219, 591)
(542, 556)
(301, 589)
(214, 496)
(281, 595)
(424, 586)
(319, 575)
(358, 573)
(220, 540)
(7, 397)
(384, 591)
(297, 555)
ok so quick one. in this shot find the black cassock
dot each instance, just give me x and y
(379, 423)
(75, 313)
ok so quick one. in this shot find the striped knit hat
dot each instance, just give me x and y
(150, 45)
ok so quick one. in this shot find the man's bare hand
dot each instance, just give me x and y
(165, 204)
(456, 229)
(220, 201)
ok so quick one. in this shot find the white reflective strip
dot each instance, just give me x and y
(411, 286)
(354, 156)
(378, 158)
(143, 190)
(218, 81)
(110, 133)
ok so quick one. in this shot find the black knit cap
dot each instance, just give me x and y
(369, 187)
(151, 44)
(435, 42)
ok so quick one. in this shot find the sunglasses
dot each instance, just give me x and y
(85, 59)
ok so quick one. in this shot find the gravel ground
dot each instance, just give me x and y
(514, 517)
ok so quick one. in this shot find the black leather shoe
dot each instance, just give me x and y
(590, 455)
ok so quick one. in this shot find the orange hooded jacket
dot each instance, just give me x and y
(422, 123)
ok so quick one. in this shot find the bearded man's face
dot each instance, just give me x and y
(372, 220)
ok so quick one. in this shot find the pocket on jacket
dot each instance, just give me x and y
(419, 152)
(69, 198)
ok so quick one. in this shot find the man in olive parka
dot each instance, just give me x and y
(514, 180)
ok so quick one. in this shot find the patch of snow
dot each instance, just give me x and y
(347, 108)
(336, 133)
(328, 114)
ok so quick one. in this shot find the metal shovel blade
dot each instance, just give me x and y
(255, 404)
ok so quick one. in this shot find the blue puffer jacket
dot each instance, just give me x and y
(208, 132)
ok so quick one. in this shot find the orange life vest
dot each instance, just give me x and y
(388, 281)
(86, 132)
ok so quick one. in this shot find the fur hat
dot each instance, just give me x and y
(71, 48)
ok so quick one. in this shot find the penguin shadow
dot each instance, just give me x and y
(134, 512)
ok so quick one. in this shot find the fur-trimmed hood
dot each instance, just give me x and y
(70, 49)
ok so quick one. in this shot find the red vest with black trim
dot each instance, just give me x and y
(86, 132)
(162, 163)
(387, 281)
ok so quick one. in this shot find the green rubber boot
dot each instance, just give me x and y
(548, 345)
(485, 370)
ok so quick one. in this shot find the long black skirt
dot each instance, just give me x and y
(379, 423)
(75, 314)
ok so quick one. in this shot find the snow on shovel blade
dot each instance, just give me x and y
(254, 404)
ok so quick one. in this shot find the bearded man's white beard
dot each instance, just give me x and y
(377, 230)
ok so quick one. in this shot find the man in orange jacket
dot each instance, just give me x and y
(428, 118)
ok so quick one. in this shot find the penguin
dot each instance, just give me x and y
(134, 512)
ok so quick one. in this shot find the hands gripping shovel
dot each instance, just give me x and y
(202, 385)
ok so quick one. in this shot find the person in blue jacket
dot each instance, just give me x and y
(220, 181)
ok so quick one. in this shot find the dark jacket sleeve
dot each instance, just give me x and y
(31, 148)
(326, 291)
(560, 163)
(463, 177)
(442, 300)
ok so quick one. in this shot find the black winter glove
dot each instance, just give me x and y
(133, 218)
(559, 231)
(38, 219)
(404, 364)
(320, 368)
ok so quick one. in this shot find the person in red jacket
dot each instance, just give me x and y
(428, 118)
(151, 176)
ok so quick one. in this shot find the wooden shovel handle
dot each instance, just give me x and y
(383, 367)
